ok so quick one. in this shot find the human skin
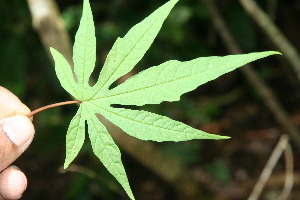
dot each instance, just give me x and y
(16, 134)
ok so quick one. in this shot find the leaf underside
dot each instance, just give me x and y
(165, 82)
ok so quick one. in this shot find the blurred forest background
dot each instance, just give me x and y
(256, 106)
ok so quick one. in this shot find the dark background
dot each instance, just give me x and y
(229, 105)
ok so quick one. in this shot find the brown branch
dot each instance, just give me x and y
(281, 145)
(50, 27)
(278, 38)
(289, 175)
(80, 169)
(265, 92)
(93, 175)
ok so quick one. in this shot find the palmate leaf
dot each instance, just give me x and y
(166, 82)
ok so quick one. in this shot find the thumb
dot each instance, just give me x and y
(16, 133)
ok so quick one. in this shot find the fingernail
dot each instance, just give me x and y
(18, 128)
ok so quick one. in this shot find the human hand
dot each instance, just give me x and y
(16, 133)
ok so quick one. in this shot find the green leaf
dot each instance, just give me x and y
(149, 126)
(84, 50)
(168, 81)
(64, 73)
(106, 150)
(75, 137)
(128, 51)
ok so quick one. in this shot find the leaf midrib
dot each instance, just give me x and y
(144, 122)
(78, 127)
(99, 137)
(154, 85)
(84, 58)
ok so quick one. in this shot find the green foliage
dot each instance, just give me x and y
(166, 82)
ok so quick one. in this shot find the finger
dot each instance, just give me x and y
(11, 105)
(13, 183)
(16, 133)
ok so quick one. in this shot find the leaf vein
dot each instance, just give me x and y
(154, 85)
(105, 148)
(140, 122)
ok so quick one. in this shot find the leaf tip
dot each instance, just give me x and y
(221, 137)
(131, 196)
(275, 52)
(66, 165)
(270, 53)
(174, 2)
(86, 3)
(53, 51)
(225, 137)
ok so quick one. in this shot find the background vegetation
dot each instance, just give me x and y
(231, 105)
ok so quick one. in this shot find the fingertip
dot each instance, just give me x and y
(13, 183)
(10, 105)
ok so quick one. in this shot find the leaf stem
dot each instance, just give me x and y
(51, 106)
